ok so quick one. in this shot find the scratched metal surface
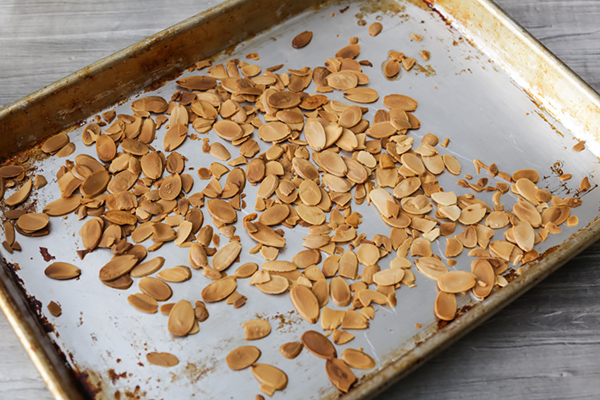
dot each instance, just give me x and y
(462, 94)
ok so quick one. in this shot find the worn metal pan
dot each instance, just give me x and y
(489, 87)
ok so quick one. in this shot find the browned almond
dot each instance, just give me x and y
(117, 267)
(305, 302)
(484, 272)
(375, 28)
(181, 318)
(20, 195)
(29, 222)
(170, 187)
(94, 184)
(106, 148)
(291, 350)
(256, 329)
(340, 374)
(55, 309)
(162, 359)
(119, 217)
(270, 376)
(274, 215)
(456, 281)
(177, 274)
(362, 95)
(11, 171)
(318, 344)
(275, 285)
(302, 39)
(445, 306)
(219, 289)
(155, 288)
(197, 82)
(242, 357)
(246, 270)
(55, 143)
(431, 267)
(147, 268)
(143, 302)
(62, 270)
(340, 292)
(357, 359)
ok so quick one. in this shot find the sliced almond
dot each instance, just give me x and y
(20, 195)
(181, 318)
(305, 302)
(117, 267)
(256, 329)
(270, 376)
(162, 359)
(340, 292)
(340, 374)
(431, 267)
(177, 274)
(143, 302)
(147, 268)
(155, 288)
(242, 357)
(445, 306)
(357, 359)
(456, 281)
(318, 344)
(62, 271)
(226, 255)
(219, 289)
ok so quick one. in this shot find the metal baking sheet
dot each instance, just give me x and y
(473, 90)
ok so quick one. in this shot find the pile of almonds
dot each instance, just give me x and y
(324, 156)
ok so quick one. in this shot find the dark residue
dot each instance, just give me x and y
(46, 255)
(114, 376)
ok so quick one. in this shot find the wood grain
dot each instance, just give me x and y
(544, 345)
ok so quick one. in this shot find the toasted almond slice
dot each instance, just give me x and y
(340, 374)
(291, 350)
(555, 214)
(445, 306)
(497, 219)
(62, 271)
(367, 296)
(331, 319)
(11, 171)
(269, 376)
(170, 187)
(222, 211)
(117, 267)
(20, 195)
(363, 95)
(456, 281)
(526, 212)
(275, 285)
(407, 187)
(197, 82)
(162, 359)
(318, 344)
(177, 274)
(357, 359)
(398, 101)
(452, 164)
(524, 235)
(484, 272)
(147, 268)
(420, 247)
(219, 289)
(228, 130)
(256, 329)
(226, 255)
(181, 318)
(143, 302)
(305, 302)
(453, 247)
(279, 266)
(29, 222)
(242, 357)
(340, 292)
(55, 143)
(311, 214)
(530, 174)
(155, 288)
(314, 133)
(274, 215)
(106, 148)
(381, 197)
(431, 267)
(472, 214)
(91, 233)
(348, 263)
(388, 277)
(501, 249)
(302, 39)
(267, 236)
(368, 254)
(175, 136)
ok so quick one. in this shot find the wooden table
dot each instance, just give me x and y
(544, 345)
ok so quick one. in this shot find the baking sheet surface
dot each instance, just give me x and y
(462, 95)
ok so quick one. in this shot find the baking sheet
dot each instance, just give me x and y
(462, 95)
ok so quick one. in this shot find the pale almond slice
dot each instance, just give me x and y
(256, 329)
(484, 272)
(291, 350)
(527, 189)
(222, 211)
(269, 376)
(143, 302)
(401, 263)
(62, 271)
(162, 359)
(398, 101)
(445, 306)
(363, 95)
(242, 357)
(453, 247)
(274, 132)
(452, 164)
(526, 212)
(311, 214)
(314, 132)
(406, 187)
(279, 266)
(117, 267)
(357, 359)
(147, 268)
(367, 296)
(388, 277)
(20, 195)
(305, 302)
(340, 292)
(501, 249)
(524, 235)
(431, 267)
(381, 197)
(472, 214)
(456, 281)
(267, 236)
(340, 374)
(342, 80)
(444, 198)
(309, 193)
(318, 344)
(275, 285)
(497, 220)
(228, 130)
(434, 164)
(420, 247)
(555, 214)
(181, 318)
(175, 136)
(155, 288)
(348, 264)
(219, 289)
(274, 215)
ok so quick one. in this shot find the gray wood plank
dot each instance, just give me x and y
(544, 345)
